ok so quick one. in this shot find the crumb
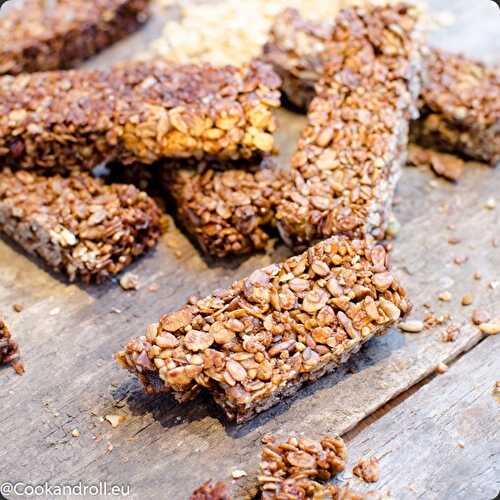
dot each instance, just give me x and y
(467, 299)
(178, 254)
(441, 368)
(461, 444)
(367, 469)
(454, 240)
(18, 307)
(115, 310)
(411, 326)
(129, 281)
(115, 420)
(450, 334)
(75, 433)
(493, 285)
(460, 259)
(480, 316)
(477, 275)
(496, 390)
(490, 203)
(154, 287)
(445, 296)
(109, 447)
(490, 328)
(238, 473)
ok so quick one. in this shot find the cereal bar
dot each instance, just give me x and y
(39, 35)
(260, 340)
(136, 112)
(77, 225)
(9, 350)
(350, 154)
(227, 209)
(460, 107)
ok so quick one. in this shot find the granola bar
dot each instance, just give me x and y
(350, 154)
(264, 337)
(460, 107)
(77, 225)
(137, 112)
(9, 350)
(38, 35)
(227, 209)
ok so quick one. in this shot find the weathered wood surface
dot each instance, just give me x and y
(442, 442)
(68, 335)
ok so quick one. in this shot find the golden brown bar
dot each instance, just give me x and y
(260, 340)
(137, 112)
(42, 35)
(77, 225)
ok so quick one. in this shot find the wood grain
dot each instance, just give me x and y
(69, 333)
(444, 441)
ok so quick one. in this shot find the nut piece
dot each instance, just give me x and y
(367, 469)
(467, 299)
(129, 281)
(445, 296)
(411, 326)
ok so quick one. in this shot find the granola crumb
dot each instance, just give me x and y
(238, 473)
(211, 491)
(445, 296)
(461, 444)
(411, 326)
(441, 368)
(467, 299)
(490, 203)
(154, 287)
(460, 259)
(453, 240)
(129, 281)
(490, 328)
(75, 433)
(115, 420)
(367, 469)
(496, 390)
(18, 307)
(480, 316)
(450, 334)
(477, 276)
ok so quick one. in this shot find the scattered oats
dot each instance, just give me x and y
(411, 326)
(18, 307)
(75, 433)
(367, 469)
(491, 204)
(129, 281)
(445, 296)
(490, 328)
(441, 368)
(238, 473)
(467, 299)
(480, 316)
(115, 420)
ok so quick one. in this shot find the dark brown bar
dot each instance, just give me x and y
(259, 341)
(137, 112)
(77, 225)
(350, 154)
(41, 35)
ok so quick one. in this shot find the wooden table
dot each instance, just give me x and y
(438, 438)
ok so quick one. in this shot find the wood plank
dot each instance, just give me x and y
(443, 442)
(68, 334)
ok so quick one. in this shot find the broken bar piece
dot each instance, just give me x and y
(228, 209)
(9, 350)
(350, 154)
(287, 324)
(137, 112)
(39, 35)
(77, 225)
(460, 107)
